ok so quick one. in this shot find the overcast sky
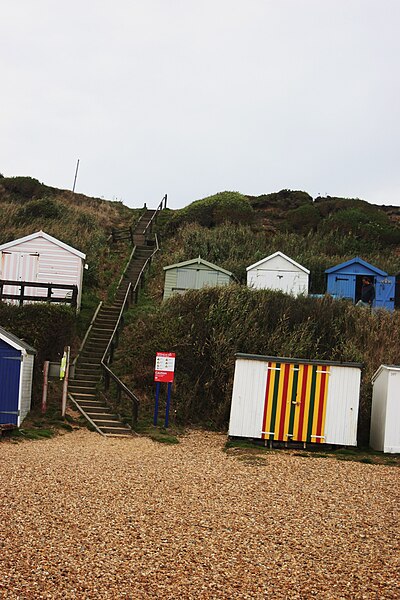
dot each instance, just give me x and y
(193, 97)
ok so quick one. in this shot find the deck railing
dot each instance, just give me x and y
(71, 296)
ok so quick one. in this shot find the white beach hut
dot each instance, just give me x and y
(295, 400)
(385, 412)
(278, 272)
(43, 259)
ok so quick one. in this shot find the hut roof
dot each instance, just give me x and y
(356, 260)
(15, 342)
(199, 261)
(47, 237)
(267, 258)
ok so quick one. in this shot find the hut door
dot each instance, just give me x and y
(19, 266)
(295, 402)
(10, 367)
(344, 286)
(385, 292)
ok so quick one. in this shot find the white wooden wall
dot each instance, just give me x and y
(385, 413)
(25, 386)
(278, 274)
(54, 265)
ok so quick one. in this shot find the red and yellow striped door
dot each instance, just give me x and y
(295, 402)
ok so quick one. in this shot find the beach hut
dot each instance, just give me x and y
(193, 275)
(16, 373)
(345, 281)
(278, 272)
(385, 412)
(295, 400)
(42, 259)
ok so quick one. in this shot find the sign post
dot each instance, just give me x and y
(163, 373)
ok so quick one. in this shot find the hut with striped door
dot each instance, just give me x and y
(295, 400)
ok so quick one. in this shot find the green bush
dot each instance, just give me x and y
(207, 327)
(24, 187)
(46, 327)
(214, 210)
(43, 208)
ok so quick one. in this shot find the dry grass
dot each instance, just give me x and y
(87, 517)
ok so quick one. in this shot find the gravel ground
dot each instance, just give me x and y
(87, 517)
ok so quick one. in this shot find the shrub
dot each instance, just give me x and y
(24, 187)
(43, 208)
(213, 210)
(207, 327)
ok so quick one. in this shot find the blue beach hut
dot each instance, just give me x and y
(16, 373)
(345, 281)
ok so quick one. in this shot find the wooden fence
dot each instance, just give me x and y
(70, 297)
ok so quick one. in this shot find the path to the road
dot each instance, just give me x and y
(86, 517)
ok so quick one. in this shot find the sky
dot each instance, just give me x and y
(193, 97)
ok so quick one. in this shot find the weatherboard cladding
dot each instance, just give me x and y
(385, 412)
(194, 274)
(45, 262)
(295, 400)
(278, 272)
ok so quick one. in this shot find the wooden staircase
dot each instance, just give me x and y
(83, 389)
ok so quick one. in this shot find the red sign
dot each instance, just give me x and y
(165, 367)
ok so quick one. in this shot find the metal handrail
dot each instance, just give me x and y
(126, 266)
(146, 262)
(89, 329)
(154, 215)
(107, 351)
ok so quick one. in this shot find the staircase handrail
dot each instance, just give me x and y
(81, 347)
(107, 353)
(126, 266)
(106, 356)
(157, 247)
(155, 213)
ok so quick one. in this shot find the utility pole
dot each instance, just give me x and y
(76, 175)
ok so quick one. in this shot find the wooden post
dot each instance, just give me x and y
(45, 385)
(67, 349)
(21, 298)
(74, 299)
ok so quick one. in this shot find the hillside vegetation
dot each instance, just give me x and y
(206, 327)
(27, 206)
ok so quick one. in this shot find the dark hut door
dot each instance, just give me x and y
(10, 369)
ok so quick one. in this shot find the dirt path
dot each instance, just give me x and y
(87, 517)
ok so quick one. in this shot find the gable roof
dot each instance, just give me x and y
(357, 260)
(267, 258)
(47, 237)
(15, 342)
(199, 261)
